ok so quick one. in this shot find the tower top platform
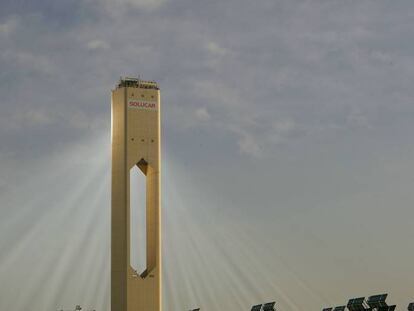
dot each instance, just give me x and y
(137, 83)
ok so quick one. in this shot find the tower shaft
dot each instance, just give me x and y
(135, 143)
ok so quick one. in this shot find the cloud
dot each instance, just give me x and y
(248, 145)
(97, 45)
(297, 66)
(32, 117)
(121, 7)
(35, 62)
(283, 126)
(202, 114)
(215, 49)
(9, 26)
(142, 4)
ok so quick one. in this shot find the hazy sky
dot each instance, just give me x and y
(287, 137)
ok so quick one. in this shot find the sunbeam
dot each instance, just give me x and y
(55, 251)
(54, 236)
(216, 261)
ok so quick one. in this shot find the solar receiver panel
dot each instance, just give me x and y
(270, 306)
(256, 308)
(327, 309)
(357, 304)
(198, 309)
(377, 301)
(411, 307)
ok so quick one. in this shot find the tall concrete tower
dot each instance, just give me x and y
(135, 143)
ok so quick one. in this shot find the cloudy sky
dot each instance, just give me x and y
(288, 151)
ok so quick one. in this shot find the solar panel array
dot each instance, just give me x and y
(377, 301)
(357, 304)
(256, 308)
(373, 303)
(270, 306)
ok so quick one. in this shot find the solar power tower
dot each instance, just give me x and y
(135, 143)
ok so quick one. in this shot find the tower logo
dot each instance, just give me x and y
(142, 104)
